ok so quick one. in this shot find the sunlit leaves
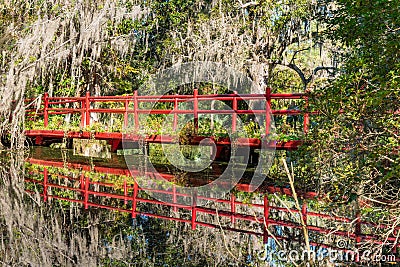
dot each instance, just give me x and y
(360, 105)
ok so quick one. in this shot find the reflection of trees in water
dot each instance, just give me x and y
(63, 233)
(34, 233)
(37, 234)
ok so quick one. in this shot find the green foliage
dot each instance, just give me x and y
(252, 129)
(357, 133)
(371, 30)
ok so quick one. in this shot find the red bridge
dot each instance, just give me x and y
(130, 108)
(260, 217)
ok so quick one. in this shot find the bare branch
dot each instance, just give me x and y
(252, 3)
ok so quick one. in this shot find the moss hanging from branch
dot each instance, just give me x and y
(58, 37)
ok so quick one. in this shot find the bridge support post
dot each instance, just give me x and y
(222, 153)
(115, 144)
(38, 140)
(254, 156)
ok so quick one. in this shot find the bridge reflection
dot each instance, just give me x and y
(265, 213)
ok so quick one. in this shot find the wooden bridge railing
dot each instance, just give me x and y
(131, 197)
(85, 106)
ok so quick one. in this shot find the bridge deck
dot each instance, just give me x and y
(116, 139)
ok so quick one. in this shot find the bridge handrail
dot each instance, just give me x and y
(85, 106)
(261, 217)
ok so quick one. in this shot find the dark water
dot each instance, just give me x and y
(155, 158)
(44, 229)
(58, 209)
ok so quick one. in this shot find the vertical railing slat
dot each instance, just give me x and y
(135, 110)
(87, 108)
(125, 192)
(306, 120)
(196, 110)
(194, 210)
(233, 208)
(126, 105)
(304, 212)
(134, 198)
(234, 115)
(176, 105)
(45, 110)
(174, 197)
(86, 204)
(83, 108)
(268, 112)
(45, 181)
(266, 216)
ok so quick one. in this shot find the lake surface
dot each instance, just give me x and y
(64, 233)
(58, 209)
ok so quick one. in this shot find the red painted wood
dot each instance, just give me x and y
(306, 120)
(134, 200)
(227, 201)
(266, 219)
(115, 138)
(45, 109)
(119, 137)
(234, 115)
(194, 210)
(87, 181)
(175, 113)
(233, 207)
(126, 106)
(125, 192)
(82, 103)
(196, 110)
(262, 221)
(135, 110)
(86, 101)
(87, 108)
(45, 182)
(268, 110)
(174, 197)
